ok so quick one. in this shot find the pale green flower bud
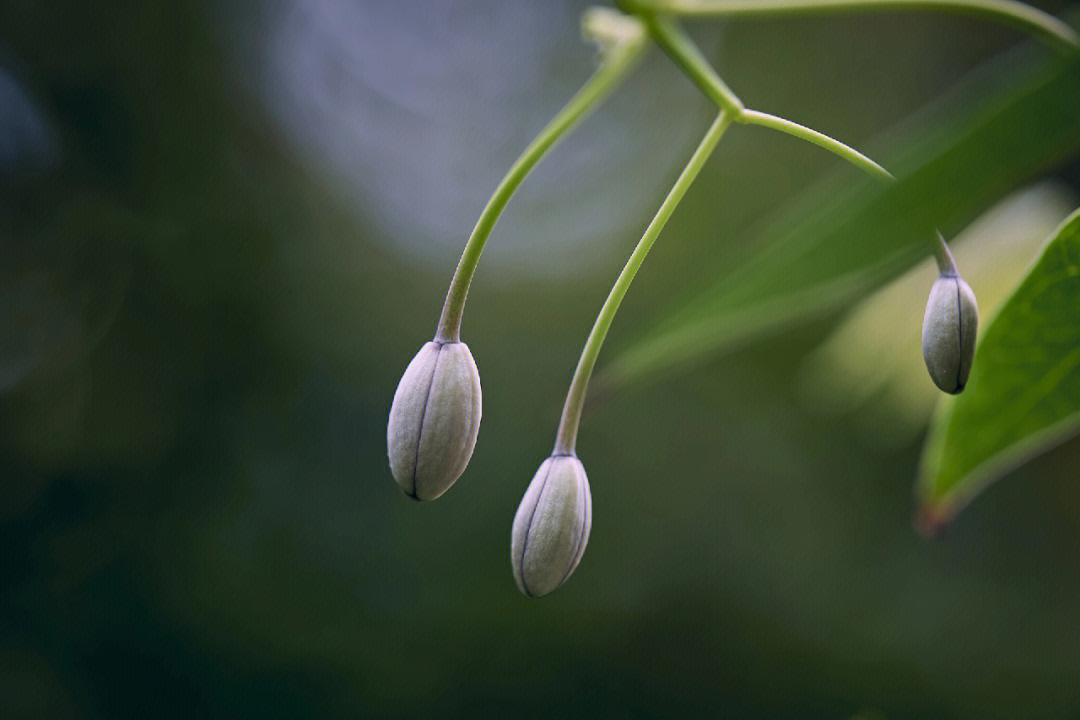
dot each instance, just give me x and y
(434, 420)
(948, 332)
(551, 526)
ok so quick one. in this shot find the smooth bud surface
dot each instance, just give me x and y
(434, 420)
(948, 332)
(551, 526)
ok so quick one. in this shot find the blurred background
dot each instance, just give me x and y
(227, 227)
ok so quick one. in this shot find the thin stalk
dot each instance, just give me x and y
(681, 49)
(575, 398)
(946, 264)
(1018, 15)
(618, 59)
(753, 117)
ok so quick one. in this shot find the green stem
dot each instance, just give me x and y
(1018, 15)
(575, 397)
(682, 50)
(946, 264)
(618, 59)
(753, 117)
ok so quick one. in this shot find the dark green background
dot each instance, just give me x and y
(201, 332)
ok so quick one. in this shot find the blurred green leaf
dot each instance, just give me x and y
(1009, 121)
(30, 688)
(1024, 393)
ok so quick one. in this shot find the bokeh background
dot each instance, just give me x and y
(226, 228)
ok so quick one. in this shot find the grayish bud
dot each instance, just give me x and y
(434, 420)
(551, 526)
(948, 332)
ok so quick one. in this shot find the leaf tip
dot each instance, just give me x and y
(932, 519)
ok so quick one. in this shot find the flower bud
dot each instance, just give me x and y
(948, 332)
(434, 420)
(551, 526)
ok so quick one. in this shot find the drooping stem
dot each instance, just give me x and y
(575, 397)
(670, 36)
(1018, 15)
(753, 117)
(682, 50)
(946, 264)
(620, 55)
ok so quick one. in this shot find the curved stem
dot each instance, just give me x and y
(946, 264)
(1015, 14)
(619, 58)
(753, 117)
(575, 397)
(682, 50)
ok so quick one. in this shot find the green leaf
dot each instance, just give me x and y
(1007, 122)
(1023, 396)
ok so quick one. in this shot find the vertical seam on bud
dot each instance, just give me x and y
(466, 451)
(573, 558)
(423, 416)
(959, 335)
(528, 527)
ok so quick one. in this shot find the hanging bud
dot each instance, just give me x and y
(551, 526)
(948, 332)
(434, 420)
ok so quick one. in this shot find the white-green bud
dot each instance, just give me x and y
(948, 332)
(434, 420)
(551, 526)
